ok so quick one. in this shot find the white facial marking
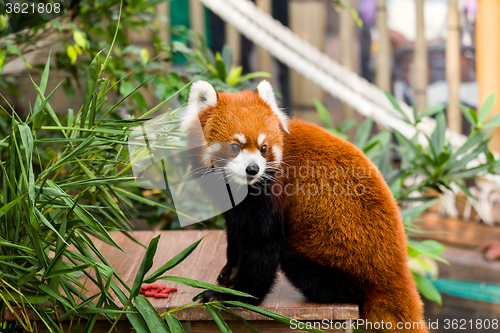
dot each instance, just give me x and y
(237, 167)
(241, 138)
(207, 154)
(278, 154)
(261, 139)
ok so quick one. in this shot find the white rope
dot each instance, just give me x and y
(327, 73)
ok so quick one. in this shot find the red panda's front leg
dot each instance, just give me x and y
(255, 231)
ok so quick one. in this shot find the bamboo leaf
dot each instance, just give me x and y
(173, 262)
(486, 108)
(218, 319)
(146, 264)
(173, 323)
(198, 284)
(151, 317)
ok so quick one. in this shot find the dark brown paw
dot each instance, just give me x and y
(213, 296)
(227, 276)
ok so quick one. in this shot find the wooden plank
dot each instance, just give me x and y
(466, 264)
(259, 326)
(452, 231)
(204, 264)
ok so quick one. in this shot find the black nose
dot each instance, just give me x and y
(252, 169)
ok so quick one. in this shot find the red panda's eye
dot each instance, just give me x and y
(263, 150)
(235, 148)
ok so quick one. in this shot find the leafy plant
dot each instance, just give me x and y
(426, 164)
(61, 183)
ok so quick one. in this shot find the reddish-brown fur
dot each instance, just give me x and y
(359, 233)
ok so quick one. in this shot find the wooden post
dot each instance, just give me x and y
(163, 11)
(233, 39)
(264, 58)
(197, 17)
(487, 57)
(420, 68)
(308, 20)
(346, 30)
(453, 76)
(383, 71)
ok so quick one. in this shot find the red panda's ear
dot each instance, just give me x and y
(266, 93)
(201, 96)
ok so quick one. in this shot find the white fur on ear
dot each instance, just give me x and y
(201, 96)
(266, 93)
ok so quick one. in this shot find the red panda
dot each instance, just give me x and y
(316, 207)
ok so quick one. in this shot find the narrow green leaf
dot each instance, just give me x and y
(493, 122)
(218, 319)
(486, 108)
(151, 317)
(429, 112)
(174, 324)
(173, 262)
(427, 289)
(363, 133)
(90, 85)
(437, 137)
(467, 112)
(396, 106)
(146, 264)
(323, 113)
(9, 206)
(413, 212)
(198, 284)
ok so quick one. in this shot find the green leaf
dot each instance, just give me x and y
(396, 106)
(173, 262)
(146, 264)
(363, 133)
(144, 54)
(90, 85)
(437, 137)
(77, 268)
(427, 289)
(253, 75)
(174, 324)
(218, 319)
(151, 317)
(220, 67)
(493, 122)
(9, 206)
(429, 112)
(467, 112)
(72, 54)
(413, 212)
(80, 39)
(486, 108)
(323, 113)
(198, 284)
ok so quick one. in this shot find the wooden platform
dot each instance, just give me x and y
(204, 264)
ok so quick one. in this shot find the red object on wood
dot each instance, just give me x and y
(156, 290)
